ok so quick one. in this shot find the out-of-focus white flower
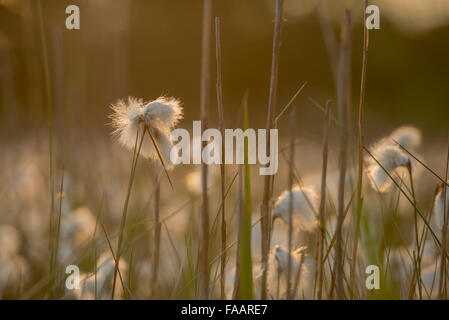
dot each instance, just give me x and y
(305, 205)
(193, 182)
(439, 206)
(15, 272)
(159, 117)
(407, 136)
(77, 229)
(277, 269)
(105, 274)
(9, 241)
(390, 158)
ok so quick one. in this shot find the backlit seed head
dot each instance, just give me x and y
(305, 204)
(134, 117)
(390, 158)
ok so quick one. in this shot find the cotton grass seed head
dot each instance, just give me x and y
(278, 265)
(407, 136)
(134, 116)
(281, 256)
(391, 158)
(163, 113)
(305, 204)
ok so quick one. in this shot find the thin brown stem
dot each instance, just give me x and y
(156, 240)
(322, 227)
(290, 201)
(136, 153)
(343, 106)
(267, 193)
(361, 142)
(158, 151)
(222, 165)
(442, 292)
(418, 245)
(204, 106)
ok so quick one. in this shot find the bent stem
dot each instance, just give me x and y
(159, 155)
(418, 245)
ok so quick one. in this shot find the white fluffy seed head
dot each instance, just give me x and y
(439, 207)
(277, 268)
(391, 158)
(164, 112)
(281, 256)
(305, 204)
(407, 136)
(126, 117)
(159, 117)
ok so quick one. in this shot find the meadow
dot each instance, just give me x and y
(92, 206)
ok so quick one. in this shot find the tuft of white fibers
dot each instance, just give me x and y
(159, 116)
(126, 118)
(164, 112)
(391, 158)
(438, 208)
(407, 136)
(277, 270)
(305, 204)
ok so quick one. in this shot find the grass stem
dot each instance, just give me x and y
(267, 192)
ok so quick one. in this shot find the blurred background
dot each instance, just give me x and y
(146, 48)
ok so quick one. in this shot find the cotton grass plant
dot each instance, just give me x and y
(369, 207)
(131, 120)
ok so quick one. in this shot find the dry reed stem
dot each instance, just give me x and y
(343, 106)
(361, 142)
(204, 106)
(290, 200)
(322, 227)
(267, 193)
(442, 292)
(418, 245)
(222, 165)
